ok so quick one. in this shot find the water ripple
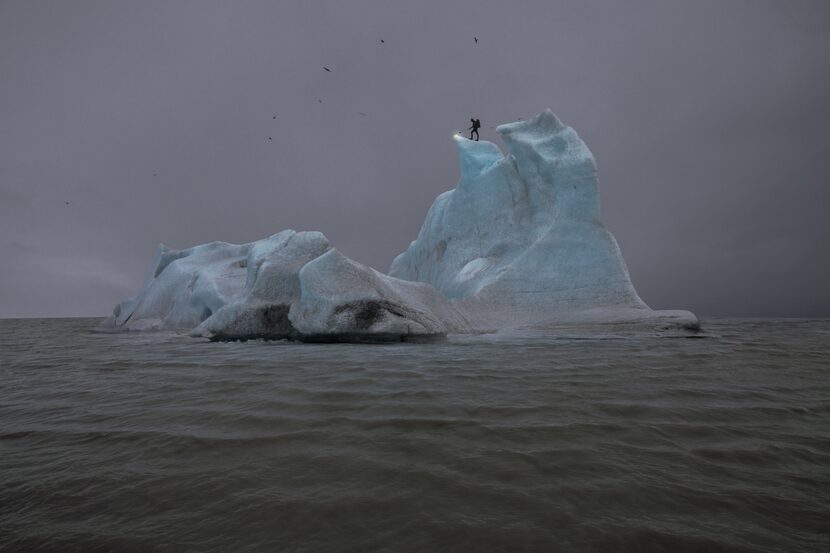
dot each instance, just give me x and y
(613, 442)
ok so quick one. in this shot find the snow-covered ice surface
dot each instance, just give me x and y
(516, 246)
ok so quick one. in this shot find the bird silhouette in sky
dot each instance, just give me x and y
(476, 39)
(382, 41)
(327, 69)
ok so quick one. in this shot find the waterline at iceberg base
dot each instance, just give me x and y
(516, 246)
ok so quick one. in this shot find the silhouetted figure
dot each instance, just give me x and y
(476, 39)
(382, 41)
(327, 69)
(474, 128)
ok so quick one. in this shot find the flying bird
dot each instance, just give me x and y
(274, 117)
(327, 69)
(476, 39)
(320, 101)
(382, 41)
(269, 138)
(361, 113)
(67, 203)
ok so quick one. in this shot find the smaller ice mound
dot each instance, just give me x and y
(184, 287)
(341, 300)
(272, 284)
(292, 285)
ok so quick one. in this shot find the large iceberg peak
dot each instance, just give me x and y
(518, 241)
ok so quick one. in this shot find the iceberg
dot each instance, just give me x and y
(518, 244)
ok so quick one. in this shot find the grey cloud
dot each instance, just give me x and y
(708, 119)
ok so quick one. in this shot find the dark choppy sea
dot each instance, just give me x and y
(156, 442)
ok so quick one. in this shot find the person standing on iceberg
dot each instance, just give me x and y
(474, 128)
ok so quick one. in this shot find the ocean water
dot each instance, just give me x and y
(580, 442)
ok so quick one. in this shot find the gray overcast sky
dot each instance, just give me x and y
(709, 120)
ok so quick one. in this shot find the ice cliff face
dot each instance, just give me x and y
(519, 241)
(517, 244)
(531, 214)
